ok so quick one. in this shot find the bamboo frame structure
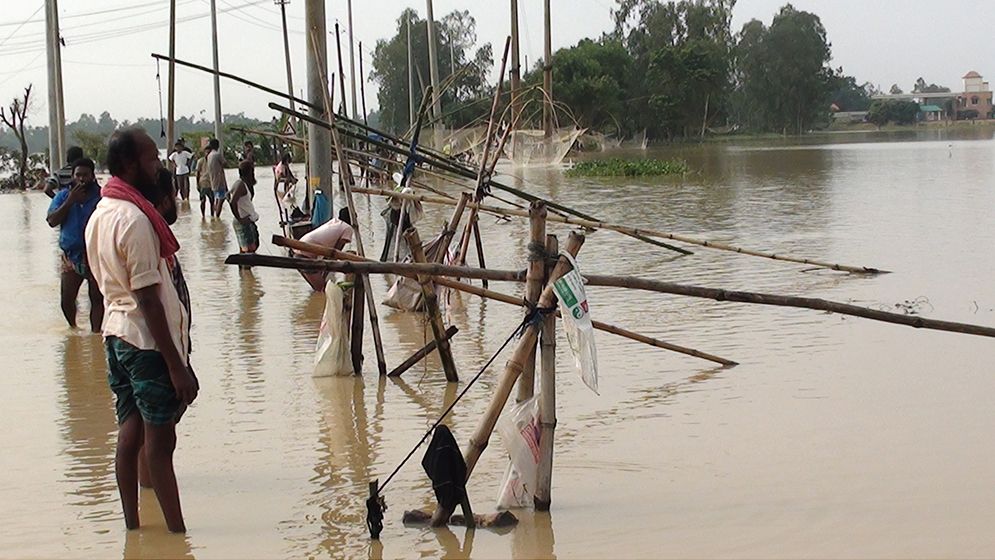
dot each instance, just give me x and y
(432, 308)
(632, 231)
(514, 366)
(817, 304)
(512, 300)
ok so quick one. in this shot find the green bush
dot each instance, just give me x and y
(627, 168)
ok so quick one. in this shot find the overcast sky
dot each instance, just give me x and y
(106, 62)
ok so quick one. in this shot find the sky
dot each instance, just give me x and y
(107, 63)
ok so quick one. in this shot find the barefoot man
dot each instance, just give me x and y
(132, 254)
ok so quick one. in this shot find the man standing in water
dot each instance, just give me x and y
(70, 211)
(216, 173)
(181, 157)
(132, 253)
(204, 182)
(243, 210)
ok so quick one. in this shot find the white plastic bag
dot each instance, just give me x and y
(331, 355)
(519, 431)
(577, 323)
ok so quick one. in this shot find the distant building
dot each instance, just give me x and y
(976, 100)
(930, 113)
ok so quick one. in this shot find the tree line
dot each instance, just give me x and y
(672, 69)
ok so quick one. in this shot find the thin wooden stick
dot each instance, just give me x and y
(631, 231)
(547, 402)
(432, 308)
(505, 298)
(424, 351)
(408, 269)
(534, 282)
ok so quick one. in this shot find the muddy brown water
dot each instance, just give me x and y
(835, 437)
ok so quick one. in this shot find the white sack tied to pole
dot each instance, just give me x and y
(573, 304)
(331, 354)
(519, 431)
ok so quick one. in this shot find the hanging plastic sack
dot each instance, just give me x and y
(577, 323)
(519, 431)
(331, 355)
(405, 294)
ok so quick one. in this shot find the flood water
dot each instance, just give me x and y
(835, 437)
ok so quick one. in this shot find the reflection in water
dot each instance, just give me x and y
(89, 427)
(344, 459)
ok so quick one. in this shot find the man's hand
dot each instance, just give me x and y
(184, 384)
(77, 193)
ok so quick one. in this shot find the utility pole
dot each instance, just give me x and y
(362, 81)
(433, 68)
(171, 95)
(338, 53)
(217, 78)
(56, 111)
(411, 80)
(352, 63)
(319, 144)
(516, 76)
(286, 50)
(547, 79)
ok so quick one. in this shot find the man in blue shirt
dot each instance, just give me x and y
(70, 210)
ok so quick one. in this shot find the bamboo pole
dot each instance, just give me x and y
(408, 269)
(479, 243)
(534, 282)
(505, 298)
(515, 364)
(345, 178)
(432, 307)
(547, 402)
(421, 353)
(631, 231)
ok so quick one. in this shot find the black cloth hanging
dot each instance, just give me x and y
(444, 465)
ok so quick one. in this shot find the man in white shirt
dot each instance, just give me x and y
(333, 234)
(131, 253)
(181, 157)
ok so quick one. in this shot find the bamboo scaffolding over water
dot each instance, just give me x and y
(505, 298)
(817, 304)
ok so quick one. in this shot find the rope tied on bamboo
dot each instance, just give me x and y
(538, 253)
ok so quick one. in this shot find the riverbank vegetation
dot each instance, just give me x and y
(670, 69)
(627, 168)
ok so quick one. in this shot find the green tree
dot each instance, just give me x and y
(847, 95)
(455, 39)
(593, 79)
(682, 53)
(783, 74)
(895, 111)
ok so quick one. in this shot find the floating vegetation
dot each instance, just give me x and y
(627, 168)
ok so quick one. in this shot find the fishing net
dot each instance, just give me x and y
(530, 147)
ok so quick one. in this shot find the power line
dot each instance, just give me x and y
(121, 32)
(18, 28)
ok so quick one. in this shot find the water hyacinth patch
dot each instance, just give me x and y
(627, 168)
